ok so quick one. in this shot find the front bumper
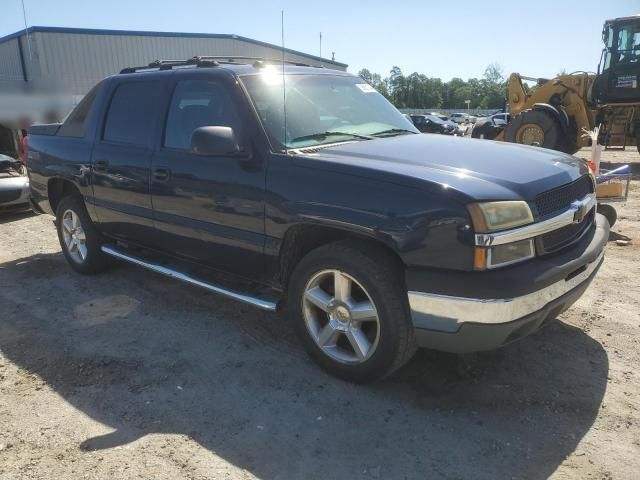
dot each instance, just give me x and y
(463, 324)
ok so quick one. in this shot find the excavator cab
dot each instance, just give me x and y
(618, 79)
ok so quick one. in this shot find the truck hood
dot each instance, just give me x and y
(476, 169)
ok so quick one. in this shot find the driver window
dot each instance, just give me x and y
(195, 104)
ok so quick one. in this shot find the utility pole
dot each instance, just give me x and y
(320, 44)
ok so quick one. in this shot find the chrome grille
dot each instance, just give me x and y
(559, 199)
(562, 237)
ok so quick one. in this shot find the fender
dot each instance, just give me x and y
(558, 113)
(568, 125)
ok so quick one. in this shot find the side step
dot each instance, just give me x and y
(114, 251)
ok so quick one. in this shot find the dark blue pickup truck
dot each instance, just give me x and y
(303, 190)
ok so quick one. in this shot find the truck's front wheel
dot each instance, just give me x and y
(350, 311)
(79, 239)
(538, 128)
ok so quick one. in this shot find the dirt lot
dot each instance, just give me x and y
(132, 375)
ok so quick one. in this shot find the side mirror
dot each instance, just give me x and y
(215, 141)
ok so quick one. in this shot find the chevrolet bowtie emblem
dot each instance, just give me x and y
(581, 210)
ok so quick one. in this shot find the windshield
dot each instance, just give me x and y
(623, 45)
(322, 109)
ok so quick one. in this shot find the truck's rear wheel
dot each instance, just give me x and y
(79, 239)
(536, 127)
(350, 311)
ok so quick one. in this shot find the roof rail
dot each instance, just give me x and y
(233, 59)
(169, 64)
(209, 61)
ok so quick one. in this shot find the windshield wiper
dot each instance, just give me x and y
(397, 131)
(321, 135)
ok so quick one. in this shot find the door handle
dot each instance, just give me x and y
(161, 174)
(101, 165)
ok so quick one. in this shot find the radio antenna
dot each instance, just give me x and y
(284, 90)
(26, 31)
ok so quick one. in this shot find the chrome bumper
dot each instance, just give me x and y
(448, 313)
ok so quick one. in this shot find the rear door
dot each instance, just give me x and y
(209, 209)
(121, 159)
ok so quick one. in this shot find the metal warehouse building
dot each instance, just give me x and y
(40, 63)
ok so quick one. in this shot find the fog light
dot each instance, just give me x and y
(502, 255)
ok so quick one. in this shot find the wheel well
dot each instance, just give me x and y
(57, 189)
(302, 239)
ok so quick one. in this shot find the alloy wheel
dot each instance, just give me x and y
(341, 317)
(75, 239)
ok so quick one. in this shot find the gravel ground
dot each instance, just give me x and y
(131, 375)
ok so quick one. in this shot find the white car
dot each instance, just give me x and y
(505, 117)
(14, 185)
(459, 117)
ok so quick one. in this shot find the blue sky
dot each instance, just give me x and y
(439, 38)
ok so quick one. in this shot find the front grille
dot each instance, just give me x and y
(560, 238)
(559, 199)
(9, 195)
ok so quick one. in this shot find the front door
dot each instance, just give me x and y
(121, 160)
(208, 209)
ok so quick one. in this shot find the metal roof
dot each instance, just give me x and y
(143, 33)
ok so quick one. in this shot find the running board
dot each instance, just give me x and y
(256, 302)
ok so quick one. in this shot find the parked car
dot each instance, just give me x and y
(14, 185)
(439, 115)
(504, 117)
(459, 117)
(372, 239)
(489, 128)
(432, 124)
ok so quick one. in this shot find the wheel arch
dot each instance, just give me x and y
(58, 188)
(299, 240)
(558, 113)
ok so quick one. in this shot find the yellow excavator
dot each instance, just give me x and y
(554, 113)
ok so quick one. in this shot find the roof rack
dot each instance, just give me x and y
(210, 61)
(256, 60)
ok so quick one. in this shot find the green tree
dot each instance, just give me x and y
(375, 81)
(493, 74)
(417, 90)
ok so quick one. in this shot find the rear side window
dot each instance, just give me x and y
(76, 123)
(132, 113)
(195, 104)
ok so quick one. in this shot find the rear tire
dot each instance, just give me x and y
(79, 239)
(537, 127)
(361, 332)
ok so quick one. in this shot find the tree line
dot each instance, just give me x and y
(420, 91)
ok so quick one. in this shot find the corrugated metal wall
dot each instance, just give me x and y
(74, 62)
(11, 76)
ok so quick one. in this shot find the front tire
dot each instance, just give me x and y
(609, 213)
(79, 239)
(350, 311)
(539, 128)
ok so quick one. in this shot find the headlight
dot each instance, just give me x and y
(492, 216)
